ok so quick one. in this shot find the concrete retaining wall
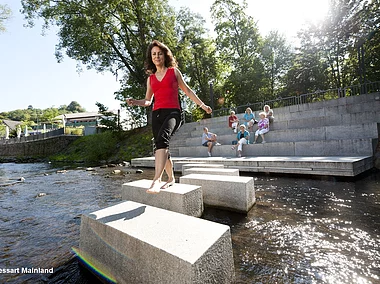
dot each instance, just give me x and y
(40, 148)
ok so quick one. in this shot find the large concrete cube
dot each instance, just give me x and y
(182, 198)
(135, 243)
(228, 192)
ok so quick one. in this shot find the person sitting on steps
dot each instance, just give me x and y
(269, 113)
(209, 140)
(263, 127)
(233, 121)
(249, 119)
(242, 138)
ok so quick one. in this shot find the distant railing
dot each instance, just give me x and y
(316, 96)
(33, 137)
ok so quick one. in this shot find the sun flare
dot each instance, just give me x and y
(287, 16)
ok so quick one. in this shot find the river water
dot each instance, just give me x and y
(299, 231)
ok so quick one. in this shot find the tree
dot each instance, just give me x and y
(110, 35)
(5, 14)
(238, 44)
(196, 55)
(309, 70)
(343, 37)
(75, 107)
(277, 58)
(49, 114)
(109, 119)
(365, 54)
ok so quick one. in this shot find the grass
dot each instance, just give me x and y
(108, 147)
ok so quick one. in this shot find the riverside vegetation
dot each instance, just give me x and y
(108, 147)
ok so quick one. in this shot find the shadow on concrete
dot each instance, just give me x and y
(128, 215)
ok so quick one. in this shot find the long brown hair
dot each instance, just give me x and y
(169, 58)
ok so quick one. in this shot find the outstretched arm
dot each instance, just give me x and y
(144, 102)
(190, 93)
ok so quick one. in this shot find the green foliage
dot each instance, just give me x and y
(277, 59)
(75, 107)
(136, 143)
(243, 66)
(74, 130)
(110, 120)
(109, 146)
(196, 54)
(309, 70)
(108, 35)
(238, 45)
(90, 148)
(33, 116)
(5, 14)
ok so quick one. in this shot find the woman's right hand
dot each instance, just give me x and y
(130, 102)
(207, 109)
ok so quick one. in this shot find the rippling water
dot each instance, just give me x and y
(300, 230)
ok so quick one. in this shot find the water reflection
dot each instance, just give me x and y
(311, 231)
(300, 231)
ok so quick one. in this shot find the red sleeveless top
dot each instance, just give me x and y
(165, 91)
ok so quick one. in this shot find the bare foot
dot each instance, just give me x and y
(154, 188)
(168, 184)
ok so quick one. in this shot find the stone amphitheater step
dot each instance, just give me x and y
(348, 166)
(341, 147)
(367, 130)
(343, 111)
(211, 171)
(344, 127)
(347, 105)
(219, 128)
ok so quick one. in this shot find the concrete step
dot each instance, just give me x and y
(228, 192)
(348, 124)
(343, 111)
(181, 198)
(367, 130)
(336, 120)
(340, 147)
(198, 165)
(346, 105)
(136, 243)
(211, 171)
(348, 166)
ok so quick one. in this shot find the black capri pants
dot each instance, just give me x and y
(165, 122)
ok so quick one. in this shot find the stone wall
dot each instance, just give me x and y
(37, 148)
(377, 152)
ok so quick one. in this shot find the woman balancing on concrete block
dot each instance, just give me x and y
(162, 84)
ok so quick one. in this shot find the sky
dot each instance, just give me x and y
(31, 75)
